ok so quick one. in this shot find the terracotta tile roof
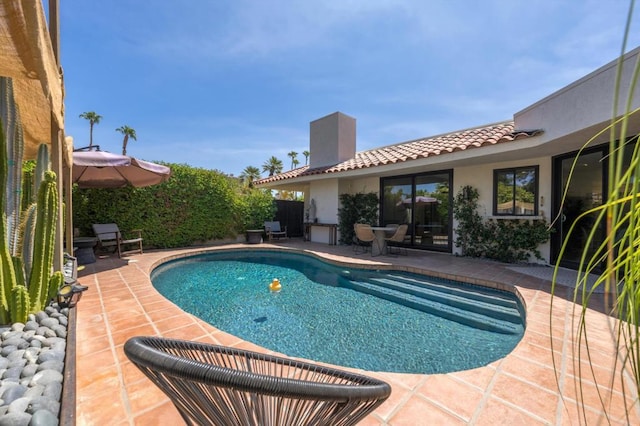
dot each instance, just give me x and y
(413, 150)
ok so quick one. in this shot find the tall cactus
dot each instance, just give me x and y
(42, 165)
(16, 299)
(27, 227)
(27, 188)
(15, 151)
(55, 282)
(46, 218)
(7, 273)
(27, 242)
(19, 304)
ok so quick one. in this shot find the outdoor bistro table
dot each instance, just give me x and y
(84, 249)
(381, 234)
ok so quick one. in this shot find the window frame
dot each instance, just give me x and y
(515, 170)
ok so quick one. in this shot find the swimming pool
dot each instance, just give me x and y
(374, 320)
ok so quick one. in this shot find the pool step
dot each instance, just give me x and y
(466, 298)
(465, 290)
(443, 306)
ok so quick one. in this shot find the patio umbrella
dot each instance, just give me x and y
(100, 169)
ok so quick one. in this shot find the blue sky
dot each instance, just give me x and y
(227, 84)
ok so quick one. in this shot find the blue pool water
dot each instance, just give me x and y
(373, 320)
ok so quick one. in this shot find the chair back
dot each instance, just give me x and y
(400, 233)
(272, 226)
(364, 232)
(106, 231)
(211, 384)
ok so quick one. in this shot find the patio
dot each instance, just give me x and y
(519, 389)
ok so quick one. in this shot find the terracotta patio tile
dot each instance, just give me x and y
(395, 400)
(124, 323)
(478, 377)
(603, 375)
(226, 339)
(586, 393)
(544, 340)
(92, 323)
(146, 299)
(497, 413)
(407, 381)
(119, 338)
(532, 372)
(519, 394)
(144, 395)
(96, 361)
(416, 410)
(105, 410)
(164, 414)
(534, 353)
(174, 322)
(120, 355)
(159, 305)
(132, 374)
(371, 420)
(100, 380)
(167, 312)
(89, 345)
(445, 391)
(189, 332)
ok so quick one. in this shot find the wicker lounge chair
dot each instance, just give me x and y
(212, 384)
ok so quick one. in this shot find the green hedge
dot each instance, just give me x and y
(194, 206)
(356, 208)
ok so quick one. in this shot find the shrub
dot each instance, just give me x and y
(194, 206)
(506, 240)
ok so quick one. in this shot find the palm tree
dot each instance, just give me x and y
(93, 119)
(293, 156)
(249, 174)
(273, 166)
(128, 132)
(306, 157)
(294, 163)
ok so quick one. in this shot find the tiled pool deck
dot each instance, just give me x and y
(520, 389)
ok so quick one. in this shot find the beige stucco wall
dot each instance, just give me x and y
(362, 185)
(583, 106)
(326, 196)
(481, 178)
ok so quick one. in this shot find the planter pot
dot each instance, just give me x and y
(254, 236)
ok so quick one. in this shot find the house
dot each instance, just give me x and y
(519, 167)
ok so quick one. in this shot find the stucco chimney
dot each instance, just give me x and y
(332, 139)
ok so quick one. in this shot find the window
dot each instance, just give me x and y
(515, 191)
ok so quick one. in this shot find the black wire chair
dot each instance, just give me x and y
(218, 385)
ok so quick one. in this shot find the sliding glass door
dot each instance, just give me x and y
(424, 203)
(586, 188)
(584, 192)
